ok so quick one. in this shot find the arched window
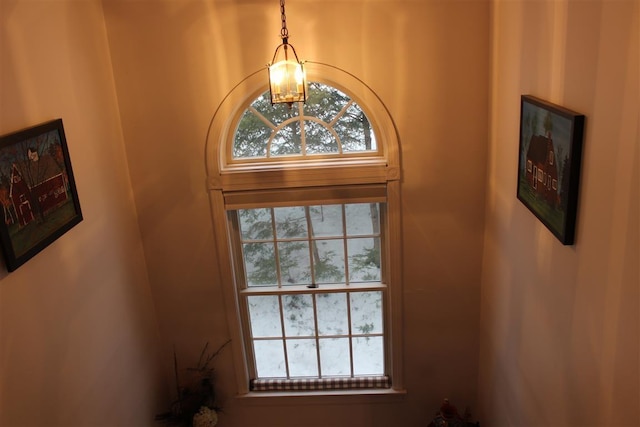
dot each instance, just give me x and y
(330, 123)
(305, 204)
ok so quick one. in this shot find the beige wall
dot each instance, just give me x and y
(560, 324)
(173, 64)
(78, 337)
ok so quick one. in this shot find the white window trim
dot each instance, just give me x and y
(227, 180)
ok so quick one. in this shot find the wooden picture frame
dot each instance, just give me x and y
(549, 160)
(37, 191)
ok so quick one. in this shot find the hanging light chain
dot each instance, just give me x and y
(287, 80)
(284, 33)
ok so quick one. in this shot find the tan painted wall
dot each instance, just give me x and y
(560, 325)
(559, 336)
(78, 337)
(173, 64)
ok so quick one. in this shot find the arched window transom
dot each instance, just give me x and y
(329, 124)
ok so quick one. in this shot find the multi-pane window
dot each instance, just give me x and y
(329, 123)
(305, 203)
(312, 290)
(310, 245)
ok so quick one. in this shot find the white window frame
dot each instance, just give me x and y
(346, 288)
(232, 184)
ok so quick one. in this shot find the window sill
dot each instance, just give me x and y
(322, 397)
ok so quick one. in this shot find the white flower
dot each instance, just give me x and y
(206, 417)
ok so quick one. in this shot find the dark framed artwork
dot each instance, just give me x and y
(549, 164)
(37, 190)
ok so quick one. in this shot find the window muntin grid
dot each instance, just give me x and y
(317, 334)
(310, 245)
(305, 317)
(330, 124)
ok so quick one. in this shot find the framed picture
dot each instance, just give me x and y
(549, 164)
(37, 191)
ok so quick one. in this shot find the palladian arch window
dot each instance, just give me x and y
(330, 123)
(306, 213)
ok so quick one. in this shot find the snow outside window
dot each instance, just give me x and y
(312, 293)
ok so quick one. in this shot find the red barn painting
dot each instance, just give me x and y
(542, 170)
(37, 191)
(549, 167)
(38, 185)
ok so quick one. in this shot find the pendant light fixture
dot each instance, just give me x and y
(287, 78)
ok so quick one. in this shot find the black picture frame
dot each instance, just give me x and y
(549, 159)
(37, 191)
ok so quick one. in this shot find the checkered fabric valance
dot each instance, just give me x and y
(314, 384)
